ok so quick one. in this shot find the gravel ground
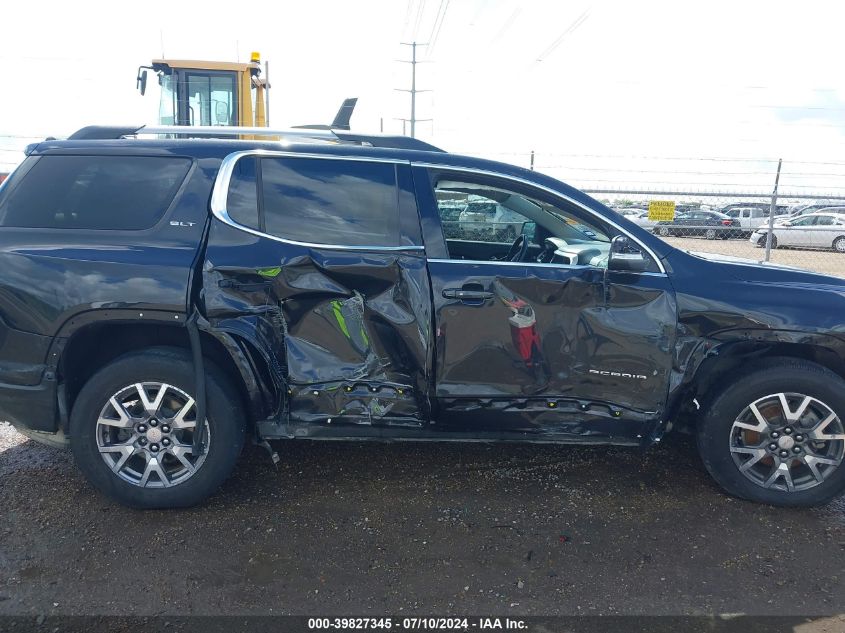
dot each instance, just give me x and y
(355, 528)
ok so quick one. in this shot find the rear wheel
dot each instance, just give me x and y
(839, 244)
(710, 234)
(776, 434)
(663, 231)
(133, 424)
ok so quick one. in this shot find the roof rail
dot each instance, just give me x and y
(104, 132)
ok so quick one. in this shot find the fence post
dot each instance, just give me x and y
(772, 213)
(532, 160)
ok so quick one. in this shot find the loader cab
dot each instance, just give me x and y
(208, 93)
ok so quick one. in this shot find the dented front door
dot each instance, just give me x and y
(539, 349)
(554, 350)
(346, 327)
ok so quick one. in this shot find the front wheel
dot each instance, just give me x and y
(132, 428)
(776, 434)
(761, 243)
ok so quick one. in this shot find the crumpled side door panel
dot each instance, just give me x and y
(348, 332)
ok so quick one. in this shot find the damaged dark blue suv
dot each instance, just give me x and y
(162, 300)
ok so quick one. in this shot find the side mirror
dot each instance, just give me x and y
(626, 256)
(141, 82)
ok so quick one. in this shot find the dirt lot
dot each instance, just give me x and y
(827, 262)
(417, 528)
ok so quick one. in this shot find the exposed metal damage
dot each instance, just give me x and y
(346, 334)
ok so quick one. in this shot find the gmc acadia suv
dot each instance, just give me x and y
(163, 299)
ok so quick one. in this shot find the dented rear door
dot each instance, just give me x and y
(317, 263)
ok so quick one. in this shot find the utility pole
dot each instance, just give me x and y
(413, 61)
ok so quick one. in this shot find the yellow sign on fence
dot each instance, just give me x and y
(661, 210)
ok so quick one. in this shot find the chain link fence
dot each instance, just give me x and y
(790, 212)
(806, 233)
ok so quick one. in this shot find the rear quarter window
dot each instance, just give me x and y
(93, 192)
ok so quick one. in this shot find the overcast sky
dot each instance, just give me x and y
(596, 88)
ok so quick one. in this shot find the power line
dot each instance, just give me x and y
(407, 16)
(420, 10)
(571, 28)
(507, 25)
(435, 31)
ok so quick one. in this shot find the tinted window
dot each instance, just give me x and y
(94, 192)
(330, 201)
(242, 201)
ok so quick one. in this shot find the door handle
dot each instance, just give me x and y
(466, 294)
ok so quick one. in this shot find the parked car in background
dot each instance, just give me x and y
(485, 219)
(630, 212)
(780, 209)
(707, 224)
(805, 209)
(751, 218)
(814, 230)
(642, 220)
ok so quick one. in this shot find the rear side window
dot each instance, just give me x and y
(242, 200)
(343, 202)
(94, 192)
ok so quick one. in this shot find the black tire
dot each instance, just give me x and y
(710, 234)
(758, 381)
(761, 243)
(225, 419)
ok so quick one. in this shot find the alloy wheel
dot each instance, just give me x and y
(145, 434)
(787, 441)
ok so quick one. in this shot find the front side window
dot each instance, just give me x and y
(482, 222)
(94, 192)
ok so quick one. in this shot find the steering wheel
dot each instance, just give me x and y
(518, 249)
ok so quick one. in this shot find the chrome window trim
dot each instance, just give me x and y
(488, 262)
(220, 192)
(436, 260)
(553, 192)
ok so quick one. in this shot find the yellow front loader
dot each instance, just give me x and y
(202, 93)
